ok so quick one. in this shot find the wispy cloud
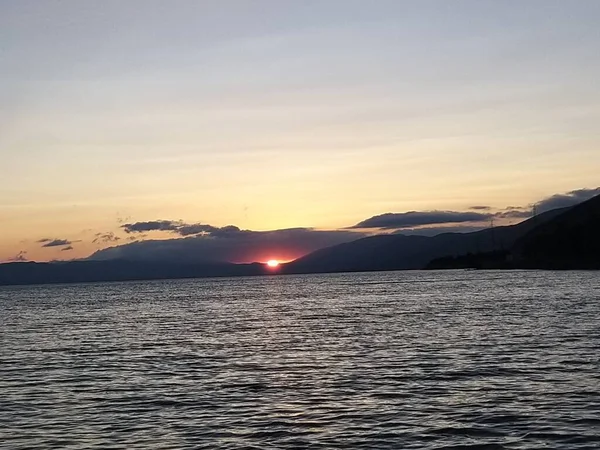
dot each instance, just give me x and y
(19, 257)
(513, 213)
(47, 242)
(105, 238)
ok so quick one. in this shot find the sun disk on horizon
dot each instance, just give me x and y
(272, 263)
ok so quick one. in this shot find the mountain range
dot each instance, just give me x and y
(566, 238)
(401, 252)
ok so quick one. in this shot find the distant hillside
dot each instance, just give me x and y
(499, 259)
(397, 251)
(563, 238)
(570, 240)
(116, 270)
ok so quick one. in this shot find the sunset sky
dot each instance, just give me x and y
(298, 120)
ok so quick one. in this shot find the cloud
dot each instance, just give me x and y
(105, 237)
(197, 228)
(413, 220)
(231, 244)
(66, 249)
(54, 242)
(121, 219)
(568, 199)
(410, 219)
(513, 213)
(19, 257)
(200, 242)
(154, 225)
(180, 228)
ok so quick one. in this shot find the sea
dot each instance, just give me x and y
(394, 360)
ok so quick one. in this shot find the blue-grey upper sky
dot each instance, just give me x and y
(274, 114)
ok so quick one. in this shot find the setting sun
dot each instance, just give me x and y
(272, 263)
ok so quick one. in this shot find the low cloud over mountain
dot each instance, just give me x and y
(394, 221)
(434, 231)
(569, 199)
(478, 213)
(225, 244)
(204, 242)
(513, 213)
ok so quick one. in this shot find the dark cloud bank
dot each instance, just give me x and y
(407, 220)
(394, 221)
(182, 228)
(198, 242)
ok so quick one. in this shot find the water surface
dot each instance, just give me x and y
(402, 360)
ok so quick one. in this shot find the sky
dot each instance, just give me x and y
(291, 122)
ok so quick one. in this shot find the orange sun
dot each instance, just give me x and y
(272, 263)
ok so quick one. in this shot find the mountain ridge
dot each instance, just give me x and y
(570, 240)
(404, 252)
(528, 244)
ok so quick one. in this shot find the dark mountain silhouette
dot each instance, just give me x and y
(499, 259)
(117, 270)
(570, 240)
(397, 251)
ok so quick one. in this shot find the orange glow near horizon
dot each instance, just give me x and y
(273, 263)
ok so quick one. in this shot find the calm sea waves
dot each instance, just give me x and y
(482, 360)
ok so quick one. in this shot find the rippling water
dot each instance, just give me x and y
(480, 360)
